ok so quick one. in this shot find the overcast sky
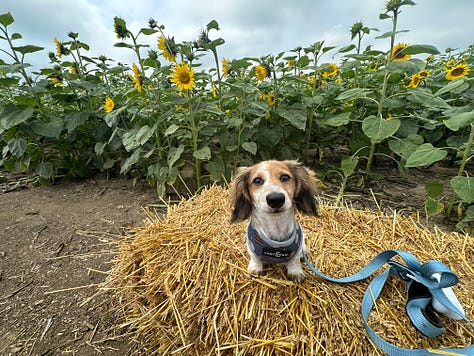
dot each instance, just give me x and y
(249, 27)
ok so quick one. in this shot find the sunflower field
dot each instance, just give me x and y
(166, 115)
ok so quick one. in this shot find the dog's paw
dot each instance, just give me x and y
(297, 278)
(295, 272)
(255, 268)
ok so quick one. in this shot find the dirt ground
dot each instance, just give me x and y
(53, 243)
(55, 247)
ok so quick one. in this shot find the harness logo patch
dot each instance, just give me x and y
(276, 253)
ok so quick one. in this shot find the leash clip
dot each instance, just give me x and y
(403, 271)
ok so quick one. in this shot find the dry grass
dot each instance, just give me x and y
(180, 285)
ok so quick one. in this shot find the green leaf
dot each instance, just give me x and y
(349, 164)
(404, 147)
(433, 207)
(347, 48)
(203, 153)
(131, 160)
(171, 129)
(16, 36)
(28, 49)
(250, 147)
(354, 93)
(45, 170)
(434, 189)
(339, 119)
(213, 25)
(174, 154)
(417, 49)
(122, 45)
(16, 146)
(75, 119)
(6, 19)
(464, 188)
(455, 122)
(425, 155)
(389, 34)
(216, 170)
(148, 31)
(295, 117)
(378, 129)
(454, 84)
(10, 116)
(51, 129)
(99, 148)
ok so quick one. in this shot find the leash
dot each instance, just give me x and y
(429, 291)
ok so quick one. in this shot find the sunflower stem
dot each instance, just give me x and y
(465, 157)
(195, 141)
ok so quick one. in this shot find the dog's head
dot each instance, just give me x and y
(273, 187)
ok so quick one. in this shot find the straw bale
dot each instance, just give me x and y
(180, 284)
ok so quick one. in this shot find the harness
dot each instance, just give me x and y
(429, 292)
(271, 251)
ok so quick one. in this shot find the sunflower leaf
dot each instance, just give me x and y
(6, 19)
(425, 155)
(450, 87)
(464, 188)
(390, 34)
(213, 25)
(455, 122)
(417, 49)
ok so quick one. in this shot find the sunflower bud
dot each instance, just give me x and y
(120, 28)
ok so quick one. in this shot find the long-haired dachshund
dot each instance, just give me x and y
(269, 193)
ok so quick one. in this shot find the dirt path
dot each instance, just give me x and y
(53, 239)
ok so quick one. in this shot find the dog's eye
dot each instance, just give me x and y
(285, 178)
(258, 181)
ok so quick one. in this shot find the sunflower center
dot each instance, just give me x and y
(457, 71)
(184, 77)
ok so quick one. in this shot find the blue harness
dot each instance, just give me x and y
(271, 251)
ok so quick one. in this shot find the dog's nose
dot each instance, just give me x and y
(275, 200)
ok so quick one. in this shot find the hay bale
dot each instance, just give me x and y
(181, 286)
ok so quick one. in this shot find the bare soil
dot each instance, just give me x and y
(55, 245)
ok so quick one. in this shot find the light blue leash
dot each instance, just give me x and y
(423, 289)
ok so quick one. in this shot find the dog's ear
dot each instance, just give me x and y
(240, 195)
(306, 183)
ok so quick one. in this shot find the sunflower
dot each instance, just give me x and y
(424, 73)
(183, 76)
(109, 104)
(120, 28)
(56, 81)
(58, 47)
(332, 70)
(271, 100)
(414, 81)
(225, 67)
(214, 91)
(262, 72)
(373, 66)
(396, 52)
(136, 77)
(458, 71)
(168, 47)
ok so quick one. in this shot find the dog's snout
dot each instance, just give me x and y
(275, 200)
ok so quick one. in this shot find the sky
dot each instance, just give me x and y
(250, 28)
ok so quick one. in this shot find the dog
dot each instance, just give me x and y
(269, 193)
